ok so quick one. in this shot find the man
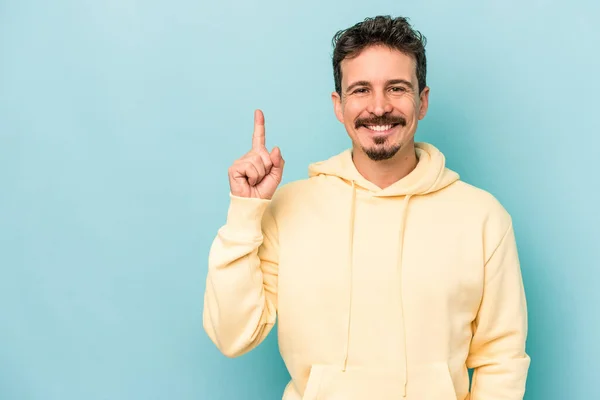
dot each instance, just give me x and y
(390, 276)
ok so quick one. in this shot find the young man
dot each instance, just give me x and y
(390, 276)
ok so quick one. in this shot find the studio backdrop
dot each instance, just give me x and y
(119, 119)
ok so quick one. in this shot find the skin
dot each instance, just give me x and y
(380, 86)
(258, 173)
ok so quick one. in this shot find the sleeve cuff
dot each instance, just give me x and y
(245, 214)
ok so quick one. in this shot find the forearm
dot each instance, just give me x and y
(498, 354)
(240, 296)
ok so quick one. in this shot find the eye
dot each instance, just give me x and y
(398, 89)
(360, 90)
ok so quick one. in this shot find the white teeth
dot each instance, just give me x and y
(379, 128)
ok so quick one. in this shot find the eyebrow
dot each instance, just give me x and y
(390, 82)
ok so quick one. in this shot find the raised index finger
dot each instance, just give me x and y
(258, 137)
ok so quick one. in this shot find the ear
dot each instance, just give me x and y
(424, 102)
(337, 106)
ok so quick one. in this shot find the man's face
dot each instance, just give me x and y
(380, 104)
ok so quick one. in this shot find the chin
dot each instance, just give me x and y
(381, 153)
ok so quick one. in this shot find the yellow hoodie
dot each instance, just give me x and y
(379, 294)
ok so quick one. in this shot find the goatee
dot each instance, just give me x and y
(381, 153)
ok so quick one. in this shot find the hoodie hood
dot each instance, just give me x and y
(430, 174)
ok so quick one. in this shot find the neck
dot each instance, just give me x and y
(385, 173)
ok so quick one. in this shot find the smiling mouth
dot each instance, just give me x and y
(380, 128)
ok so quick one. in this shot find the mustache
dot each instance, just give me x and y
(382, 120)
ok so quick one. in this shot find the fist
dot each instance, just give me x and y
(258, 173)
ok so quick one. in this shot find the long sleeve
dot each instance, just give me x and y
(240, 300)
(497, 352)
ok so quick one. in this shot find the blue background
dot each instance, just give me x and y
(119, 119)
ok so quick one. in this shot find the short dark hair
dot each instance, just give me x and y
(395, 33)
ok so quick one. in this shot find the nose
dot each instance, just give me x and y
(380, 104)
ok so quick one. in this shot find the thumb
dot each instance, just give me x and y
(277, 160)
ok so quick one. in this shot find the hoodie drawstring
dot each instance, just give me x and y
(400, 270)
(351, 264)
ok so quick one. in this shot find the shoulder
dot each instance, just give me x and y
(482, 208)
(476, 200)
(291, 190)
(493, 220)
(290, 194)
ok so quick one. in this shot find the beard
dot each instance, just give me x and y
(379, 151)
(376, 153)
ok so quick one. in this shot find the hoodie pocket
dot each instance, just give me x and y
(327, 382)
(429, 382)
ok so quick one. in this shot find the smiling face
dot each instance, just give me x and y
(380, 104)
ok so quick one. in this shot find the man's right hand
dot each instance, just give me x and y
(258, 173)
